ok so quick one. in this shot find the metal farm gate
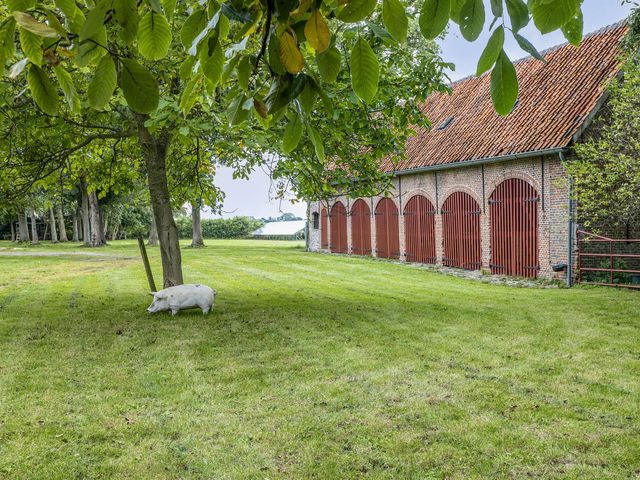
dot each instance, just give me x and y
(420, 230)
(461, 231)
(360, 228)
(338, 229)
(324, 237)
(387, 229)
(513, 209)
(613, 262)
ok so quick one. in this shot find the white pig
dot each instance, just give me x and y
(182, 297)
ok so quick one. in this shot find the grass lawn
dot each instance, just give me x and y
(309, 366)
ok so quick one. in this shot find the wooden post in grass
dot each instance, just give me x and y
(147, 266)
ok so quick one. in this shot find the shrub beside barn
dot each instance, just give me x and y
(484, 192)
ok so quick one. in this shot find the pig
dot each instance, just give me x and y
(181, 297)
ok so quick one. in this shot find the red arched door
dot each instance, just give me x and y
(461, 232)
(360, 228)
(324, 235)
(338, 228)
(513, 208)
(420, 230)
(387, 229)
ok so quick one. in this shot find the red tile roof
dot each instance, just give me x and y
(556, 98)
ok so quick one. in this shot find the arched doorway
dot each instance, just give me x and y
(387, 229)
(338, 228)
(360, 228)
(461, 232)
(419, 230)
(324, 234)
(513, 209)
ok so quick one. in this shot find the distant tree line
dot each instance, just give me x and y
(235, 227)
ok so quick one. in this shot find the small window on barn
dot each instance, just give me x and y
(316, 220)
(445, 124)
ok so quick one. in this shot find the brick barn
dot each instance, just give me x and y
(479, 191)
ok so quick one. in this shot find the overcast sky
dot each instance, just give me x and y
(253, 197)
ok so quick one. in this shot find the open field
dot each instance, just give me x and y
(310, 366)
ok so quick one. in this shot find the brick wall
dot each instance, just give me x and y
(545, 174)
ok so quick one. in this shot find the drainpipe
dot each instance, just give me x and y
(306, 227)
(571, 227)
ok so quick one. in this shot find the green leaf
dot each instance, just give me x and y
(92, 49)
(42, 90)
(126, 14)
(7, 42)
(103, 83)
(68, 88)
(518, 13)
(186, 67)
(456, 10)
(504, 85)
(307, 97)
(27, 22)
(292, 134)
(356, 10)
(21, 5)
(273, 51)
(364, 70)
(329, 64)
(190, 94)
(75, 17)
(394, 16)
(192, 27)
(154, 36)
(472, 18)
(491, 51)
(316, 31)
(497, 8)
(290, 56)
(94, 21)
(528, 47)
(169, 8)
(31, 45)
(214, 66)
(316, 140)
(572, 30)
(434, 17)
(243, 72)
(549, 15)
(139, 87)
(237, 113)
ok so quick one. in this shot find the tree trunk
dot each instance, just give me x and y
(13, 232)
(86, 233)
(61, 225)
(103, 224)
(52, 221)
(153, 233)
(34, 226)
(154, 149)
(97, 235)
(23, 227)
(196, 226)
(76, 235)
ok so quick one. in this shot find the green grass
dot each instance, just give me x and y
(310, 366)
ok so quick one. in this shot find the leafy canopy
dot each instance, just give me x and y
(274, 49)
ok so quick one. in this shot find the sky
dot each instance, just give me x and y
(253, 197)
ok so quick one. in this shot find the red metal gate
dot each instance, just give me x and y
(420, 230)
(461, 231)
(338, 228)
(360, 228)
(513, 208)
(608, 261)
(324, 236)
(387, 229)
